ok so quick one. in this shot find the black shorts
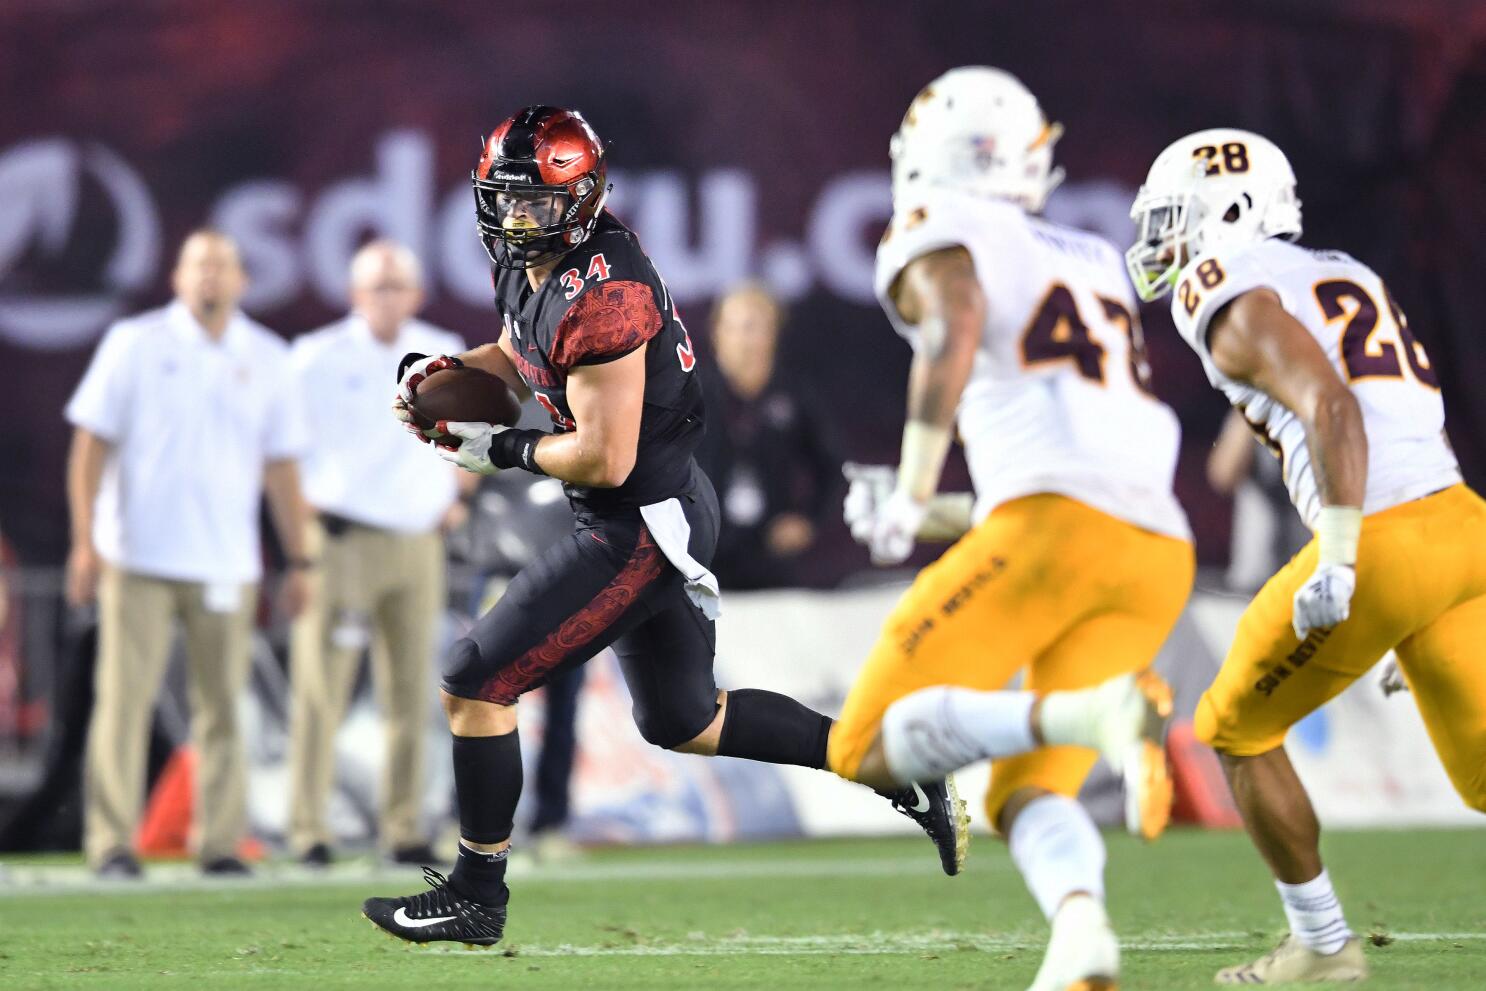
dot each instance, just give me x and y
(606, 583)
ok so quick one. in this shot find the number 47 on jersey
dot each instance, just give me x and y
(1058, 332)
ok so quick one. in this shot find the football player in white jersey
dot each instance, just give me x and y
(1073, 560)
(1315, 353)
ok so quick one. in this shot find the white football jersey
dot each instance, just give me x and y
(1349, 312)
(1057, 401)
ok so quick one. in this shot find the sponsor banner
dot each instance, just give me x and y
(739, 145)
(297, 238)
(1365, 760)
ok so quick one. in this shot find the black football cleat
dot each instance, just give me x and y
(119, 865)
(440, 914)
(226, 867)
(317, 857)
(936, 806)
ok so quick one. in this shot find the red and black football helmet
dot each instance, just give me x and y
(539, 187)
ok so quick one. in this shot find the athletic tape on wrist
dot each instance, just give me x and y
(1338, 530)
(925, 447)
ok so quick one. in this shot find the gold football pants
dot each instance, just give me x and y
(1421, 589)
(1046, 585)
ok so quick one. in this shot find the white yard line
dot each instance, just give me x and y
(877, 944)
(22, 880)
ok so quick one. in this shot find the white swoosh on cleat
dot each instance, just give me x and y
(922, 805)
(401, 918)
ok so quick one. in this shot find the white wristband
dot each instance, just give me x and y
(924, 449)
(1337, 531)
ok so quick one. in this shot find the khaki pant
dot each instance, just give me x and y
(136, 621)
(374, 588)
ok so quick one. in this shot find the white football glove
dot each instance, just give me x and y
(869, 488)
(473, 452)
(1390, 678)
(419, 368)
(1325, 599)
(895, 528)
(412, 371)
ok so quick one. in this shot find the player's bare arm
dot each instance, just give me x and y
(606, 400)
(939, 294)
(1254, 341)
(496, 359)
(1232, 456)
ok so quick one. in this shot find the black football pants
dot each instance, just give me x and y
(607, 583)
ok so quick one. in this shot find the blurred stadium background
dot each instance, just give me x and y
(747, 140)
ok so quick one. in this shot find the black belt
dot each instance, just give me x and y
(337, 526)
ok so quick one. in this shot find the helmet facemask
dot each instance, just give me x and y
(1161, 247)
(524, 224)
(1174, 229)
(539, 186)
(1039, 174)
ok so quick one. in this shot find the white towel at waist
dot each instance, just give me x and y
(667, 524)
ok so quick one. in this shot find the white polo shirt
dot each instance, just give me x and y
(363, 465)
(192, 422)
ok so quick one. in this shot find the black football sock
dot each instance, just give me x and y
(487, 785)
(481, 877)
(770, 727)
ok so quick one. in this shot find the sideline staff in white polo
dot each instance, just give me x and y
(186, 416)
(380, 582)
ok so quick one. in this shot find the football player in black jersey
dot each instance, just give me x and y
(589, 331)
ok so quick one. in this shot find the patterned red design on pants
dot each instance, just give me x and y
(580, 629)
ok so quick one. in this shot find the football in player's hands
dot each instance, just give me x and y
(463, 394)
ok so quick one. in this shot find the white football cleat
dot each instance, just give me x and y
(1292, 961)
(1082, 953)
(1125, 719)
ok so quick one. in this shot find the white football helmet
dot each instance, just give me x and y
(1215, 188)
(980, 131)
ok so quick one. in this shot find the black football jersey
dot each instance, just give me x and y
(603, 301)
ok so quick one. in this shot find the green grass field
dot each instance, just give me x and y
(860, 914)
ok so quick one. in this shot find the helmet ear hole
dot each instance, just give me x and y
(1235, 210)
